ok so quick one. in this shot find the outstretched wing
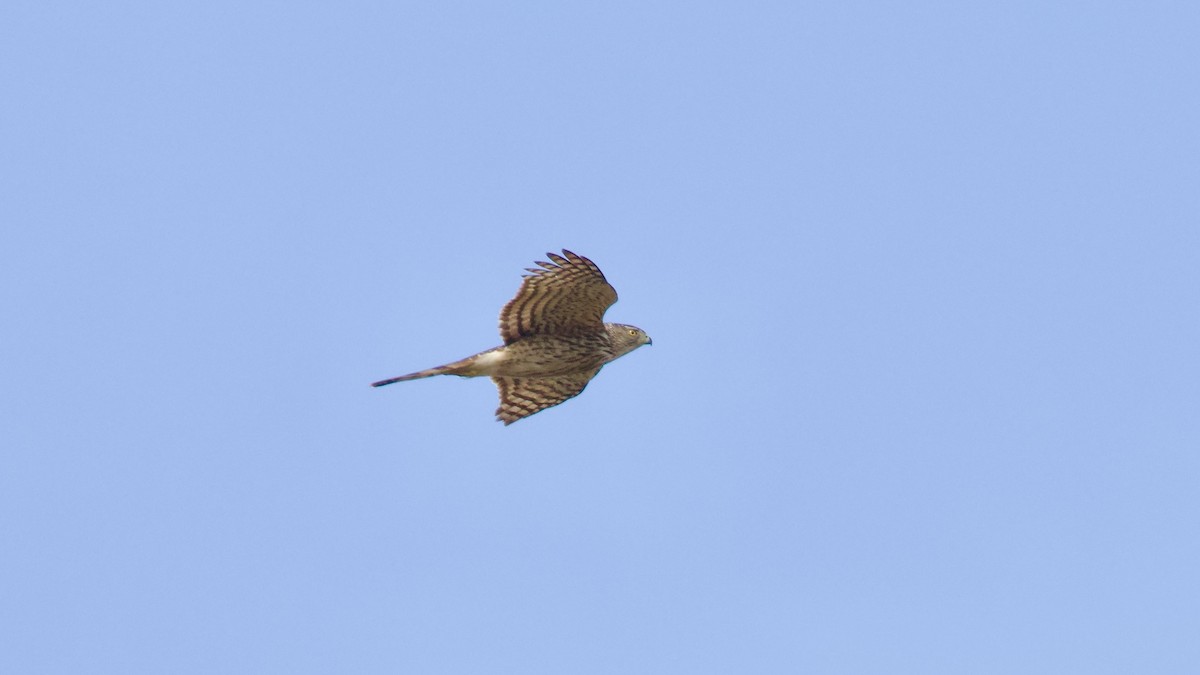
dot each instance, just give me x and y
(565, 297)
(521, 397)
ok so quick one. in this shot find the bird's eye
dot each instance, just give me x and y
(632, 331)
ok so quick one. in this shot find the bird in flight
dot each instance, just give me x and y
(555, 339)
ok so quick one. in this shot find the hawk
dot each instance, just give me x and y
(555, 339)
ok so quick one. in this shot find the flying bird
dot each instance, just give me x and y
(555, 339)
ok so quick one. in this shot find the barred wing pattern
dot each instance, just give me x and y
(567, 296)
(521, 397)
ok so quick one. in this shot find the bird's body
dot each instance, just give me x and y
(533, 356)
(555, 339)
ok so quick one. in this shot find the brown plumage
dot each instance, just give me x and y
(555, 339)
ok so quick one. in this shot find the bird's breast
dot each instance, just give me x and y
(551, 355)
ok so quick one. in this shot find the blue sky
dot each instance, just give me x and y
(922, 280)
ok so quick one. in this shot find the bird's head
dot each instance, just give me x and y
(627, 338)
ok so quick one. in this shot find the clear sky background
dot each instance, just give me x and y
(922, 279)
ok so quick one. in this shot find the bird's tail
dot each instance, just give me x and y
(456, 368)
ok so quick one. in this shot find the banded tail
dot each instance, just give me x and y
(462, 368)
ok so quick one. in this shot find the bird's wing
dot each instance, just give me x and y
(567, 296)
(521, 397)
